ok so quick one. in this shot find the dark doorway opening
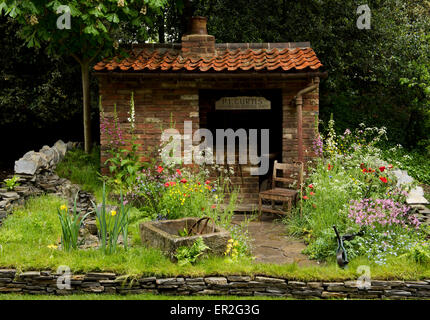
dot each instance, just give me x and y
(212, 119)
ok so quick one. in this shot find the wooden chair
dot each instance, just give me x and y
(292, 174)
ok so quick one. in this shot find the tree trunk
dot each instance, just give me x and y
(85, 71)
(161, 36)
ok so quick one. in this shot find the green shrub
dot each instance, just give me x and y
(189, 255)
(416, 163)
(420, 253)
(11, 183)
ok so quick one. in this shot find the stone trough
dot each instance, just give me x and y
(164, 235)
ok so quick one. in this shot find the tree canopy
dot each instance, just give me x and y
(93, 32)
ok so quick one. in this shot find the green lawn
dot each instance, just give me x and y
(26, 235)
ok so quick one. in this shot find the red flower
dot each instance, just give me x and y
(184, 180)
(160, 169)
(178, 172)
(305, 197)
(207, 182)
(364, 170)
(213, 206)
(383, 179)
(312, 193)
(167, 184)
(329, 167)
(381, 169)
(311, 186)
(390, 166)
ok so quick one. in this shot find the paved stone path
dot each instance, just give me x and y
(271, 244)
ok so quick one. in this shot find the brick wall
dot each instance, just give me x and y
(162, 103)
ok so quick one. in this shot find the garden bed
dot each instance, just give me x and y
(24, 249)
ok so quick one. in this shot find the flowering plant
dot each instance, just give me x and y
(382, 214)
(123, 163)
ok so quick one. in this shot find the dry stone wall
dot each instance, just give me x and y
(45, 282)
(36, 173)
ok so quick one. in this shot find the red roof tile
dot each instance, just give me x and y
(162, 59)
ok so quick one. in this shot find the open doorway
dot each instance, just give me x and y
(242, 117)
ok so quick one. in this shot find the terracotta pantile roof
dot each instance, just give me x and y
(228, 57)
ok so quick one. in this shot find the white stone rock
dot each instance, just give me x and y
(26, 167)
(402, 177)
(61, 147)
(416, 196)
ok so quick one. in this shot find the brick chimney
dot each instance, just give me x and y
(197, 41)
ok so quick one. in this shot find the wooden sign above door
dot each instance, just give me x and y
(243, 103)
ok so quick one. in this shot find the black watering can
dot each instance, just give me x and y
(341, 256)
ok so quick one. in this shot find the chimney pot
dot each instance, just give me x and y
(198, 25)
(197, 42)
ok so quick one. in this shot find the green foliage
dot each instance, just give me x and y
(420, 253)
(11, 183)
(111, 225)
(124, 164)
(93, 28)
(82, 168)
(70, 225)
(366, 68)
(40, 95)
(351, 188)
(416, 163)
(189, 255)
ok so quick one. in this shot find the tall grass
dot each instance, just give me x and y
(82, 169)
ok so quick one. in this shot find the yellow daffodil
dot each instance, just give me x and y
(113, 213)
(63, 207)
(52, 246)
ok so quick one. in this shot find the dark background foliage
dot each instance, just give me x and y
(40, 97)
(378, 76)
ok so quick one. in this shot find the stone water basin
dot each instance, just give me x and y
(164, 235)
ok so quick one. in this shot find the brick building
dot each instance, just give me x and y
(185, 81)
